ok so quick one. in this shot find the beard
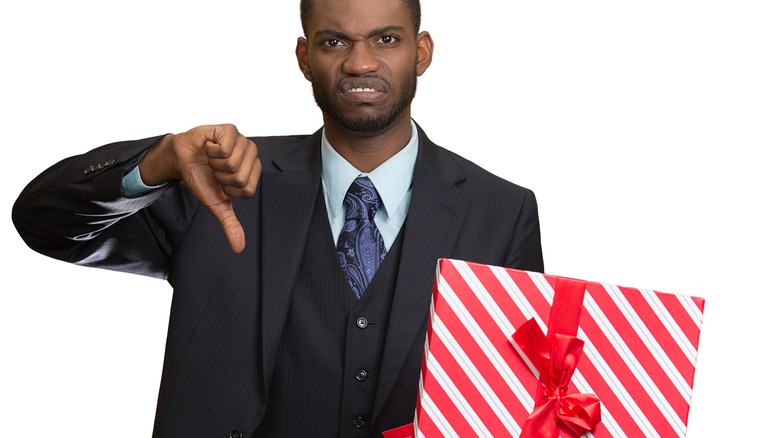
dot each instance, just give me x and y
(326, 101)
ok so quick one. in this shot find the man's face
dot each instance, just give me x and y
(362, 60)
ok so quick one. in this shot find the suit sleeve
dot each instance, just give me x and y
(525, 252)
(75, 211)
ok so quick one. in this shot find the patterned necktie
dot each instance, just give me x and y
(360, 247)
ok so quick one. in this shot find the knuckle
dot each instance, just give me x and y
(230, 128)
(245, 179)
(241, 180)
(233, 181)
(232, 165)
(241, 191)
(249, 191)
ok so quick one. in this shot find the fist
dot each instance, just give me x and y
(216, 163)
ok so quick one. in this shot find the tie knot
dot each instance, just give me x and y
(362, 200)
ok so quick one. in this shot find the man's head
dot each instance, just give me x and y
(363, 58)
(413, 6)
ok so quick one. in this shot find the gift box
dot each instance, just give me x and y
(513, 353)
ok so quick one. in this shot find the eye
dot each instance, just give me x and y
(387, 39)
(333, 42)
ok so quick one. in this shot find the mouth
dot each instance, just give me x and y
(363, 90)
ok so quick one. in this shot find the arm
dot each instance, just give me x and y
(525, 252)
(75, 210)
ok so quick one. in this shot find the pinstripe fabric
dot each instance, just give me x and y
(229, 311)
(322, 347)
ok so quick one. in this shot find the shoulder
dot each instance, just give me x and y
(500, 223)
(273, 146)
(466, 174)
(289, 152)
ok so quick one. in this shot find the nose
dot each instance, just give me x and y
(361, 59)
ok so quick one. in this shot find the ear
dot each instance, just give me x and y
(302, 53)
(424, 52)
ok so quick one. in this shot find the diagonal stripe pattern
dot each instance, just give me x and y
(639, 356)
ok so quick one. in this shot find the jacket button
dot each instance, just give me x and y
(362, 322)
(235, 434)
(361, 375)
(358, 422)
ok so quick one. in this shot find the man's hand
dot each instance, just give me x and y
(216, 163)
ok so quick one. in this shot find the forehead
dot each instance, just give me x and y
(358, 17)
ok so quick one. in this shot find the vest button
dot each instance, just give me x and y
(361, 375)
(358, 422)
(235, 434)
(362, 322)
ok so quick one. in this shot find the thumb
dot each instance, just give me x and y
(232, 228)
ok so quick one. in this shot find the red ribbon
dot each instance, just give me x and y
(556, 356)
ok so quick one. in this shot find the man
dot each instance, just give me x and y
(303, 320)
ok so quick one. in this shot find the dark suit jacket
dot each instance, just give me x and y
(228, 310)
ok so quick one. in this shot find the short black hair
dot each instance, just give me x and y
(413, 6)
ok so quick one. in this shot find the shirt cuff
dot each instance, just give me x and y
(133, 185)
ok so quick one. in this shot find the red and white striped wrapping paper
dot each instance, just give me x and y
(639, 356)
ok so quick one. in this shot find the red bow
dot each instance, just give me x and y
(556, 361)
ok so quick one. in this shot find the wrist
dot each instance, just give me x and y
(159, 164)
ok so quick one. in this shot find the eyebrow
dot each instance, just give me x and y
(343, 36)
(385, 29)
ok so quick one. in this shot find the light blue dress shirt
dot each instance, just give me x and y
(133, 185)
(392, 179)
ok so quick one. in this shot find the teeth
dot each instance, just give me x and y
(362, 90)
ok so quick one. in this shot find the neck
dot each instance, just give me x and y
(367, 150)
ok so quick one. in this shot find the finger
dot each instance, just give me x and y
(220, 140)
(232, 228)
(247, 190)
(238, 177)
(243, 153)
(218, 150)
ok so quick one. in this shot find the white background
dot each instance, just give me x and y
(648, 131)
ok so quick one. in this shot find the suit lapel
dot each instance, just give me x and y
(288, 191)
(435, 216)
(436, 213)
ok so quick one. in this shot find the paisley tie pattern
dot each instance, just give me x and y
(360, 247)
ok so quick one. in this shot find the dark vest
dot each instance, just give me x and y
(324, 381)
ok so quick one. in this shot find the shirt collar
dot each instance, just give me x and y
(392, 178)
